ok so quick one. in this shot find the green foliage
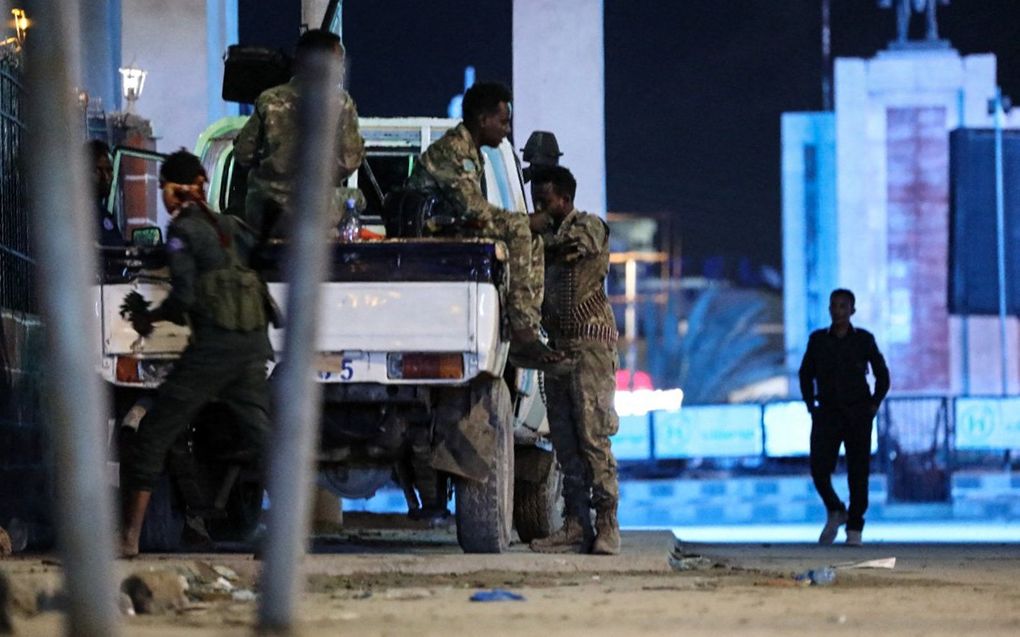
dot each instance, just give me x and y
(719, 352)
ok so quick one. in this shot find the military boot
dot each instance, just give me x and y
(607, 530)
(570, 538)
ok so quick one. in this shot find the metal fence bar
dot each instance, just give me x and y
(16, 262)
(299, 396)
(64, 242)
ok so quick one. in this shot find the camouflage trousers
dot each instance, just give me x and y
(581, 420)
(527, 267)
(239, 381)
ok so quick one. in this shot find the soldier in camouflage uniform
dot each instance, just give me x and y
(454, 165)
(225, 304)
(580, 322)
(267, 144)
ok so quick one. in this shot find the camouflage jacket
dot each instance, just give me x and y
(268, 142)
(454, 165)
(575, 307)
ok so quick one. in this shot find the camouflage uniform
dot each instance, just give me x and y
(268, 145)
(218, 364)
(454, 165)
(580, 321)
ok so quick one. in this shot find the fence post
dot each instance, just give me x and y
(298, 395)
(65, 242)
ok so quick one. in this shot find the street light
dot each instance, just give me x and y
(132, 81)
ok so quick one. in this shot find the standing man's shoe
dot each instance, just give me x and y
(572, 537)
(853, 538)
(835, 520)
(607, 530)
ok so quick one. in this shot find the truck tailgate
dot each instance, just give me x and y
(392, 316)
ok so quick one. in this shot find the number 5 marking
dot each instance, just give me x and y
(346, 369)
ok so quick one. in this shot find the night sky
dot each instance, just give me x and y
(694, 90)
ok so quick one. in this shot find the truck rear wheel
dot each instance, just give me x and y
(485, 508)
(538, 504)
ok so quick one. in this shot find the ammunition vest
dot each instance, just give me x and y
(232, 297)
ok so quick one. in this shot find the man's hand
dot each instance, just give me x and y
(569, 251)
(539, 221)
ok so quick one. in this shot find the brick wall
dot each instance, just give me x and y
(917, 147)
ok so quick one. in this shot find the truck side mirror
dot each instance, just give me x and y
(147, 236)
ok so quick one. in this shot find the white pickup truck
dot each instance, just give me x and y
(412, 355)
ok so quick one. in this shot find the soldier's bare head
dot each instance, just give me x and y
(487, 110)
(317, 41)
(182, 179)
(552, 190)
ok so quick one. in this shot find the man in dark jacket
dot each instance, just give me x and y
(833, 382)
(225, 304)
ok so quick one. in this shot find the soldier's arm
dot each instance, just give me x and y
(182, 279)
(458, 182)
(350, 150)
(246, 144)
(584, 238)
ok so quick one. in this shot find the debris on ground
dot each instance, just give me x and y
(408, 593)
(822, 576)
(497, 595)
(157, 590)
(884, 562)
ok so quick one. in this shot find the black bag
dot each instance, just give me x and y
(249, 70)
(409, 213)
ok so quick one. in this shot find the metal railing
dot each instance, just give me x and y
(17, 265)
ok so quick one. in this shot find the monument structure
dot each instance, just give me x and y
(866, 206)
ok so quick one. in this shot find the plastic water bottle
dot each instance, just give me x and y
(350, 225)
(824, 576)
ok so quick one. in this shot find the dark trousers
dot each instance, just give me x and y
(196, 380)
(851, 427)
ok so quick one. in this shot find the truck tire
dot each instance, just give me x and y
(244, 513)
(485, 508)
(538, 505)
(164, 520)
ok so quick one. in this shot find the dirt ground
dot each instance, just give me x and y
(401, 581)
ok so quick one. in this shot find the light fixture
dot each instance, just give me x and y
(21, 24)
(132, 81)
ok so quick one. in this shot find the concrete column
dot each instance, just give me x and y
(559, 86)
(221, 32)
(100, 20)
(176, 97)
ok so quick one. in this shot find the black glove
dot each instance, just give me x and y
(135, 309)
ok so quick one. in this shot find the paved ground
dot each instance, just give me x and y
(400, 582)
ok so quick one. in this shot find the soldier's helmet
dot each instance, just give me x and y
(542, 149)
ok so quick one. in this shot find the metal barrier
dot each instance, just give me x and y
(17, 266)
(916, 443)
(914, 448)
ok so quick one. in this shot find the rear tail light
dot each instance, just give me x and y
(418, 366)
(142, 371)
(127, 370)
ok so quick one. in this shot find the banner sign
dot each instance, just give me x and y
(987, 423)
(633, 440)
(788, 431)
(708, 431)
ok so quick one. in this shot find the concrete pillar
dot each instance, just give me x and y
(100, 21)
(221, 32)
(559, 86)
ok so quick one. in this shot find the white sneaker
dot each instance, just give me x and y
(853, 538)
(835, 520)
